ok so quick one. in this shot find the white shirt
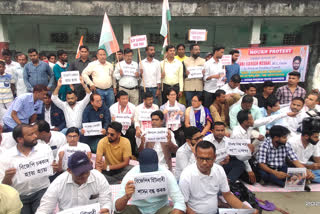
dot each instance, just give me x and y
(115, 110)
(219, 146)
(69, 150)
(292, 123)
(73, 115)
(201, 191)
(226, 87)
(11, 69)
(20, 85)
(304, 154)
(212, 67)
(67, 194)
(7, 141)
(56, 141)
(151, 73)
(126, 81)
(13, 156)
(138, 111)
(184, 158)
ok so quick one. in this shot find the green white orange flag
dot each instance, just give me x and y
(78, 50)
(166, 17)
(108, 40)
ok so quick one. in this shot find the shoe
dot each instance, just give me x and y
(307, 188)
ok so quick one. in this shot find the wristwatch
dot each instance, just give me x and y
(108, 168)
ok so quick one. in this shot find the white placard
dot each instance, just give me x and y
(198, 35)
(92, 129)
(87, 209)
(35, 168)
(226, 60)
(128, 70)
(195, 72)
(236, 211)
(70, 77)
(124, 119)
(221, 154)
(145, 114)
(151, 184)
(138, 41)
(296, 179)
(238, 147)
(173, 116)
(156, 135)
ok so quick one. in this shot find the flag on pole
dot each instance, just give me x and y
(108, 40)
(80, 44)
(166, 17)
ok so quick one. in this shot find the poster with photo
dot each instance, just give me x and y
(296, 179)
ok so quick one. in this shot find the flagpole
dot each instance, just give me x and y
(140, 63)
(168, 32)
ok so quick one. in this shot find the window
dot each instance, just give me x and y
(289, 39)
(59, 37)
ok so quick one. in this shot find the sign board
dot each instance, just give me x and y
(238, 147)
(195, 72)
(70, 77)
(92, 129)
(226, 59)
(197, 35)
(138, 41)
(156, 135)
(87, 209)
(296, 179)
(129, 70)
(124, 119)
(236, 211)
(221, 154)
(145, 114)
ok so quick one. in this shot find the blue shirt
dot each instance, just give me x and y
(265, 114)
(232, 70)
(91, 115)
(40, 74)
(25, 107)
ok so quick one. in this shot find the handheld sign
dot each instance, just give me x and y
(156, 134)
(221, 154)
(238, 147)
(87, 209)
(197, 35)
(151, 184)
(226, 59)
(70, 77)
(173, 116)
(129, 70)
(138, 42)
(92, 129)
(296, 179)
(145, 114)
(195, 72)
(124, 119)
(236, 211)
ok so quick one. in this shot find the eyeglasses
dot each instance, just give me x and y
(111, 134)
(205, 159)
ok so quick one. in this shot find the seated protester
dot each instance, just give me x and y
(272, 157)
(148, 162)
(142, 116)
(186, 153)
(122, 108)
(116, 151)
(201, 182)
(199, 116)
(52, 114)
(27, 149)
(232, 87)
(305, 146)
(268, 88)
(73, 145)
(312, 102)
(96, 111)
(6, 141)
(163, 149)
(251, 90)
(71, 108)
(174, 115)
(81, 185)
(10, 200)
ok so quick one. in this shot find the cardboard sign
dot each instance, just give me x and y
(129, 70)
(238, 147)
(151, 184)
(197, 35)
(156, 134)
(124, 119)
(145, 114)
(35, 168)
(226, 60)
(138, 41)
(173, 116)
(92, 129)
(296, 180)
(87, 209)
(195, 72)
(70, 77)
(221, 154)
(236, 211)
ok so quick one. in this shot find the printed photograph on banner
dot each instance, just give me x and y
(70, 77)
(173, 116)
(296, 179)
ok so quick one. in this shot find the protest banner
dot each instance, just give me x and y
(145, 114)
(226, 60)
(221, 154)
(156, 134)
(195, 72)
(272, 63)
(296, 179)
(128, 70)
(87, 209)
(35, 168)
(124, 119)
(238, 147)
(150, 184)
(197, 35)
(236, 211)
(138, 41)
(70, 77)
(92, 129)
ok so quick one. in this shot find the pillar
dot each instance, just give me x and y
(255, 32)
(4, 40)
(126, 35)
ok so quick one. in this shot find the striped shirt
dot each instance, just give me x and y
(6, 95)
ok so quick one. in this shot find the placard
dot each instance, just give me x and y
(138, 41)
(173, 116)
(296, 179)
(124, 119)
(226, 59)
(35, 168)
(236, 211)
(198, 35)
(156, 135)
(92, 129)
(195, 72)
(145, 114)
(70, 77)
(238, 147)
(151, 184)
(87, 209)
(221, 154)
(128, 70)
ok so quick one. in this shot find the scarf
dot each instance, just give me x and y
(193, 117)
(146, 124)
(62, 65)
(170, 109)
(125, 111)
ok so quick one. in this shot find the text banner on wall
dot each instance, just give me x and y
(272, 63)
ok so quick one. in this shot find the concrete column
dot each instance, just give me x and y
(4, 39)
(255, 32)
(126, 35)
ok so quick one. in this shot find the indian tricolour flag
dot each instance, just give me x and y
(108, 40)
(166, 17)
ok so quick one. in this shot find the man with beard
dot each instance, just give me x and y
(24, 155)
(193, 86)
(61, 66)
(151, 74)
(296, 63)
(116, 151)
(235, 67)
(37, 72)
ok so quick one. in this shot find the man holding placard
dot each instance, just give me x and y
(234, 68)
(127, 73)
(27, 167)
(149, 185)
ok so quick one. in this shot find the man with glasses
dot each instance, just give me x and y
(116, 151)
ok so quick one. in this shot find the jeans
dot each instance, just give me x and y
(190, 94)
(316, 176)
(267, 177)
(234, 169)
(153, 91)
(166, 88)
